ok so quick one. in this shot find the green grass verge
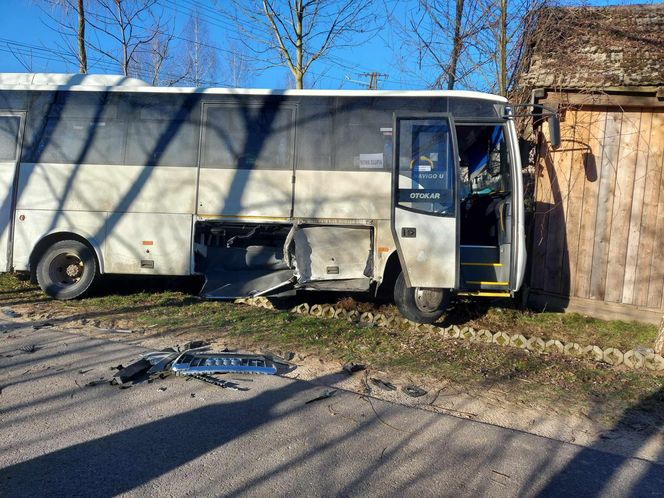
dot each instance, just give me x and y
(552, 380)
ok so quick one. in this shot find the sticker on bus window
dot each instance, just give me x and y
(371, 161)
(422, 195)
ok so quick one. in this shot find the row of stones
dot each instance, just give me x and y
(612, 356)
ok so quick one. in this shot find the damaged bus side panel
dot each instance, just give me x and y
(263, 192)
(258, 259)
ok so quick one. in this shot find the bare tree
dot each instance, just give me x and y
(444, 36)
(156, 61)
(120, 31)
(476, 44)
(237, 65)
(198, 57)
(80, 37)
(68, 17)
(300, 32)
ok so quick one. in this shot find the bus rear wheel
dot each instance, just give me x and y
(67, 269)
(421, 305)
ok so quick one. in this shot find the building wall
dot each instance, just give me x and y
(597, 241)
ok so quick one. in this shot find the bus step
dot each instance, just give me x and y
(223, 284)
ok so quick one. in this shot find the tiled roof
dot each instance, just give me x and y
(597, 47)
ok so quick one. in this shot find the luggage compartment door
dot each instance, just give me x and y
(11, 133)
(425, 200)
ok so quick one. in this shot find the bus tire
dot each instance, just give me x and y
(67, 269)
(420, 305)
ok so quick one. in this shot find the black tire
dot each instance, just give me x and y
(406, 301)
(67, 270)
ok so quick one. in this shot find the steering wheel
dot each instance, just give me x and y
(422, 158)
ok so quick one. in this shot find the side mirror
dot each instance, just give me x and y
(554, 122)
(554, 130)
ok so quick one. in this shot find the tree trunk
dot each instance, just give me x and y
(502, 49)
(456, 45)
(659, 341)
(299, 74)
(82, 55)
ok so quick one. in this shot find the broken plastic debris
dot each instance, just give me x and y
(218, 382)
(43, 325)
(413, 391)
(131, 372)
(30, 348)
(327, 394)
(10, 313)
(385, 386)
(351, 368)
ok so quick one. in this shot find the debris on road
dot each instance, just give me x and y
(385, 386)
(208, 379)
(194, 361)
(10, 313)
(97, 382)
(209, 363)
(162, 363)
(115, 331)
(327, 394)
(44, 325)
(195, 345)
(30, 348)
(132, 371)
(351, 368)
(414, 391)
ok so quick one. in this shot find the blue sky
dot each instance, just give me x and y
(23, 22)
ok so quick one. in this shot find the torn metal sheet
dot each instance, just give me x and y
(333, 253)
(162, 364)
(209, 363)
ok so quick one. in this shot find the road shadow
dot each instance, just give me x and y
(598, 471)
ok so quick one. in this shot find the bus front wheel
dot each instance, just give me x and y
(421, 305)
(67, 269)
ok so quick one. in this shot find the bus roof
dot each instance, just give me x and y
(102, 82)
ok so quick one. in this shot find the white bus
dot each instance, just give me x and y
(417, 193)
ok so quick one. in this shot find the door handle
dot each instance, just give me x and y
(409, 232)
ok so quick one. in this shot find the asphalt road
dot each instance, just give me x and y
(61, 438)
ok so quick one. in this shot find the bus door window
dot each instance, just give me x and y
(426, 166)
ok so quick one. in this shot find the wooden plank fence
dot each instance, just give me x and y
(597, 240)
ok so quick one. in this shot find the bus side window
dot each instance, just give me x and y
(363, 135)
(79, 141)
(248, 137)
(8, 137)
(163, 134)
(82, 129)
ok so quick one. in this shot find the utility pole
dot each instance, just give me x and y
(373, 79)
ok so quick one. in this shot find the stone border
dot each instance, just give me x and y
(632, 359)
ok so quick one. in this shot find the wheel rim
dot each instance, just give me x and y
(428, 300)
(66, 269)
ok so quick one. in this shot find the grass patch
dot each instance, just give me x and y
(554, 381)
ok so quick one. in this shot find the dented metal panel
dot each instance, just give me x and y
(333, 253)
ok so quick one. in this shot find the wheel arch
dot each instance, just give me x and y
(391, 272)
(49, 239)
